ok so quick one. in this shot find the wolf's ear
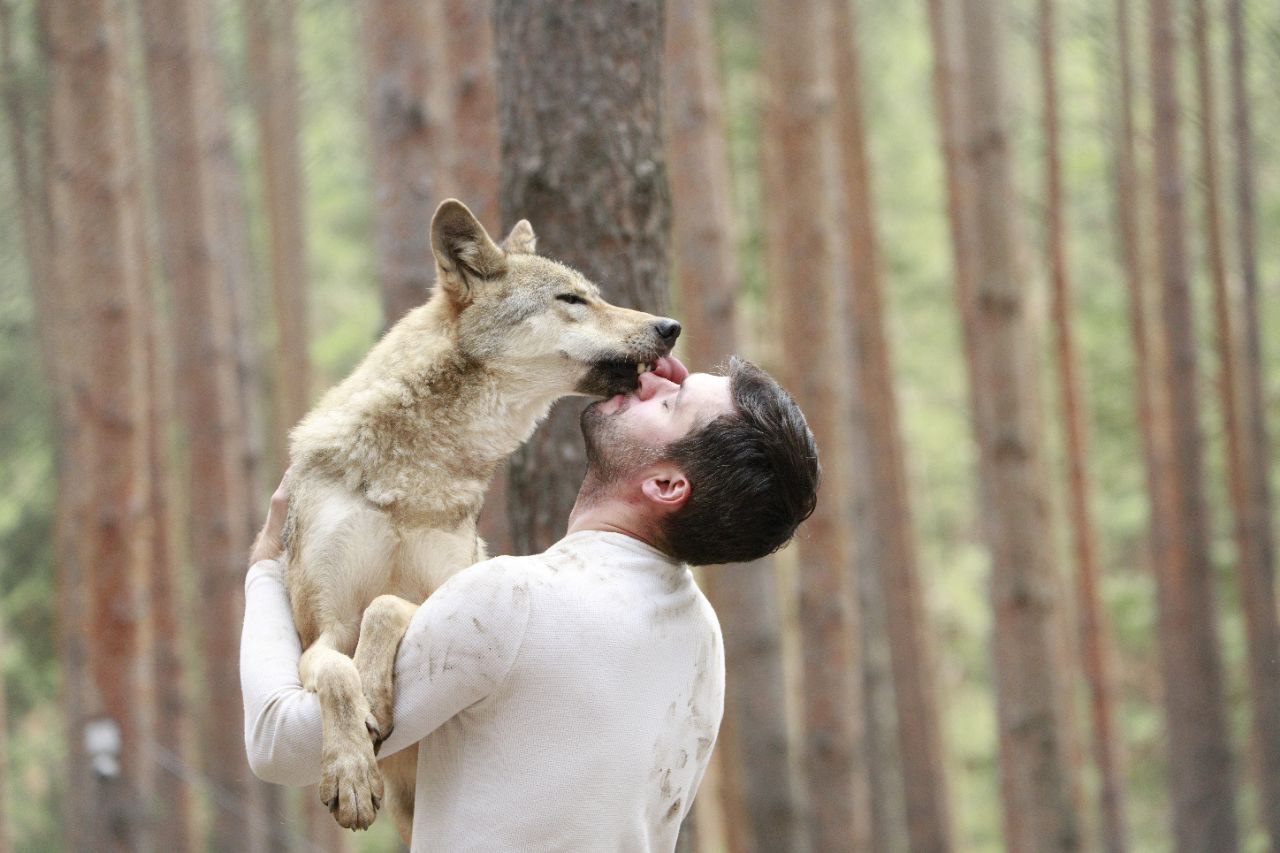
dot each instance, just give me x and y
(463, 249)
(521, 240)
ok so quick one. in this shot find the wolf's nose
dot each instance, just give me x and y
(668, 330)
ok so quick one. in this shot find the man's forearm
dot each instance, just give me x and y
(281, 720)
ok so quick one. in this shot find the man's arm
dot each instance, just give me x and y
(460, 645)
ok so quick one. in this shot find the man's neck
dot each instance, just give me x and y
(611, 516)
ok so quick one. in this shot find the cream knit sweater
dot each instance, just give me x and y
(564, 701)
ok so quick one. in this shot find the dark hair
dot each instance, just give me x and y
(753, 476)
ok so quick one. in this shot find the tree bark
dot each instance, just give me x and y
(1038, 812)
(802, 180)
(173, 817)
(473, 97)
(1258, 560)
(1199, 750)
(1094, 636)
(97, 220)
(924, 775)
(473, 149)
(403, 88)
(180, 78)
(757, 788)
(273, 79)
(582, 159)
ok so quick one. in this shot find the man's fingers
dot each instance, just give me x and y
(268, 545)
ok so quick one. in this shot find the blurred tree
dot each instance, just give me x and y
(97, 217)
(473, 99)
(1253, 491)
(801, 171)
(1200, 772)
(1094, 634)
(272, 67)
(1038, 811)
(582, 158)
(924, 777)
(410, 129)
(181, 72)
(759, 798)
(171, 724)
(473, 149)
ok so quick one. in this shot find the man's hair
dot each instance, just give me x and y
(753, 476)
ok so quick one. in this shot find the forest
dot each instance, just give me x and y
(1015, 259)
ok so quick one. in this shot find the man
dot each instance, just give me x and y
(570, 700)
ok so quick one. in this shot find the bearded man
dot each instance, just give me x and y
(570, 700)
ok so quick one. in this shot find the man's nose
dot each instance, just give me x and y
(652, 383)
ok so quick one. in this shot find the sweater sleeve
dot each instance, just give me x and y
(458, 648)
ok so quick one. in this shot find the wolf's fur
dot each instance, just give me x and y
(390, 469)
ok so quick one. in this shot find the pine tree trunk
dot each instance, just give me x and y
(924, 775)
(408, 124)
(473, 149)
(180, 76)
(173, 816)
(1200, 775)
(473, 118)
(758, 794)
(58, 318)
(273, 80)
(1258, 562)
(97, 220)
(802, 171)
(583, 161)
(1038, 812)
(1091, 620)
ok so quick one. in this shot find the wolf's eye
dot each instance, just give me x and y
(571, 298)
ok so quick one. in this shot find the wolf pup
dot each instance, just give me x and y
(390, 469)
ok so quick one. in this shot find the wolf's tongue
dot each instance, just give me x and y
(670, 368)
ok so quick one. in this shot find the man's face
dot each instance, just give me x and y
(628, 431)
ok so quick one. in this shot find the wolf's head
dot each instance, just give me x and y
(536, 317)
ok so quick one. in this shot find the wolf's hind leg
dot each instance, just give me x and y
(350, 784)
(381, 629)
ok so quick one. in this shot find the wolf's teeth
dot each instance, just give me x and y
(640, 368)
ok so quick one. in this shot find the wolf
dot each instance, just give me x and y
(389, 470)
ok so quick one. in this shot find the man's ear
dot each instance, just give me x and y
(521, 240)
(463, 249)
(667, 488)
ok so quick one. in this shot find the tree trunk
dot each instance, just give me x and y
(473, 149)
(1199, 751)
(1257, 563)
(1038, 813)
(468, 34)
(58, 319)
(180, 74)
(97, 217)
(1093, 630)
(582, 159)
(802, 174)
(923, 760)
(173, 818)
(273, 80)
(403, 67)
(758, 794)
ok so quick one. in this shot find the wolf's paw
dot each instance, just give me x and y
(351, 785)
(378, 722)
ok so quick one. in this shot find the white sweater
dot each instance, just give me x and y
(565, 701)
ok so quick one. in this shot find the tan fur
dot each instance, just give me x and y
(391, 467)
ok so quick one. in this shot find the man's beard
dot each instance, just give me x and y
(612, 456)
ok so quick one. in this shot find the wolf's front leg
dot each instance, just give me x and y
(381, 628)
(350, 784)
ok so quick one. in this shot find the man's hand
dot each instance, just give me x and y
(268, 545)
